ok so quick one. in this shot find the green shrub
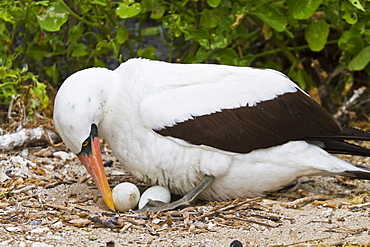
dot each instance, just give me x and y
(19, 81)
(58, 37)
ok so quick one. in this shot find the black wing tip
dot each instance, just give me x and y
(337, 142)
(343, 147)
(355, 133)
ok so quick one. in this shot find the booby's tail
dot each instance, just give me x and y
(343, 147)
(364, 173)
(336, 142)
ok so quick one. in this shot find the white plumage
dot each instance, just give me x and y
(184, 97)
(133, 103)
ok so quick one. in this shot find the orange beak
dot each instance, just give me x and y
(94, 165)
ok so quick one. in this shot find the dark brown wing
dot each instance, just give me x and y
(292, 116)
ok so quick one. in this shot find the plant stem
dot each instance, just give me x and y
(293, 59)
(298, 48)
(77, 16)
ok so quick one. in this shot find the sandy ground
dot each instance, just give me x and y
(48, 199)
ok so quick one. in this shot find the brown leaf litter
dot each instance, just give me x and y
(48, 199)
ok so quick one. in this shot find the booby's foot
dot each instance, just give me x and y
(185, 201)
(294, 186)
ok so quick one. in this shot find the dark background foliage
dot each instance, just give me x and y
(323, 45)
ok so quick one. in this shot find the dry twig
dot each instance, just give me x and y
(303, 201)
(27, 136)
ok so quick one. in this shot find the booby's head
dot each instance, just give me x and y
(78, 111)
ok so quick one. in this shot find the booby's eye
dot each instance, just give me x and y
(86, 147)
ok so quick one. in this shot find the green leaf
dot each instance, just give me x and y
(2, 72)
(99, 63)
(333, 16)
(149, 53)
(7, 89)
(190, 59)
(122, 35)
(171, 20)
(357, 4)
(128, 8)
(213, 3)
(201, 55)
(150, 31)
(39, 98)
(297, 76)
(351, 41)
(246, 60)
(201, 33)
(36, 51)
(342, 42)
(360, 61)
(228, 60)
(218, 41)
(102, 45)
(208, 19)
(99, 2)
(227, 56)
(78, 50)
(75, 33)
(303, 9)
(350, 17)
(204, 43)
(158, 12)
(355, 44)
(53, 72)
(227, 52)
(271, 16)
(116, 50)
(349, 13)
(53, 17)
(317, 34)
(6, 16)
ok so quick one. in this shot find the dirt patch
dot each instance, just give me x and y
(48, 199)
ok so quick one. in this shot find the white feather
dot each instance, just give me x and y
(196, 90)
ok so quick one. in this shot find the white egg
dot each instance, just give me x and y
(125, 196)
(155, 193)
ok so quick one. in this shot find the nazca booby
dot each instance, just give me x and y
(247, 131)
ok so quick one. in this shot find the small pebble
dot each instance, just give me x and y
(236, 243)
(38, 244)
(64, 156)
(108, 163)
(110, 243)
(39, 230)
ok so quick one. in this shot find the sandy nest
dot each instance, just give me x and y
(48, 199)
